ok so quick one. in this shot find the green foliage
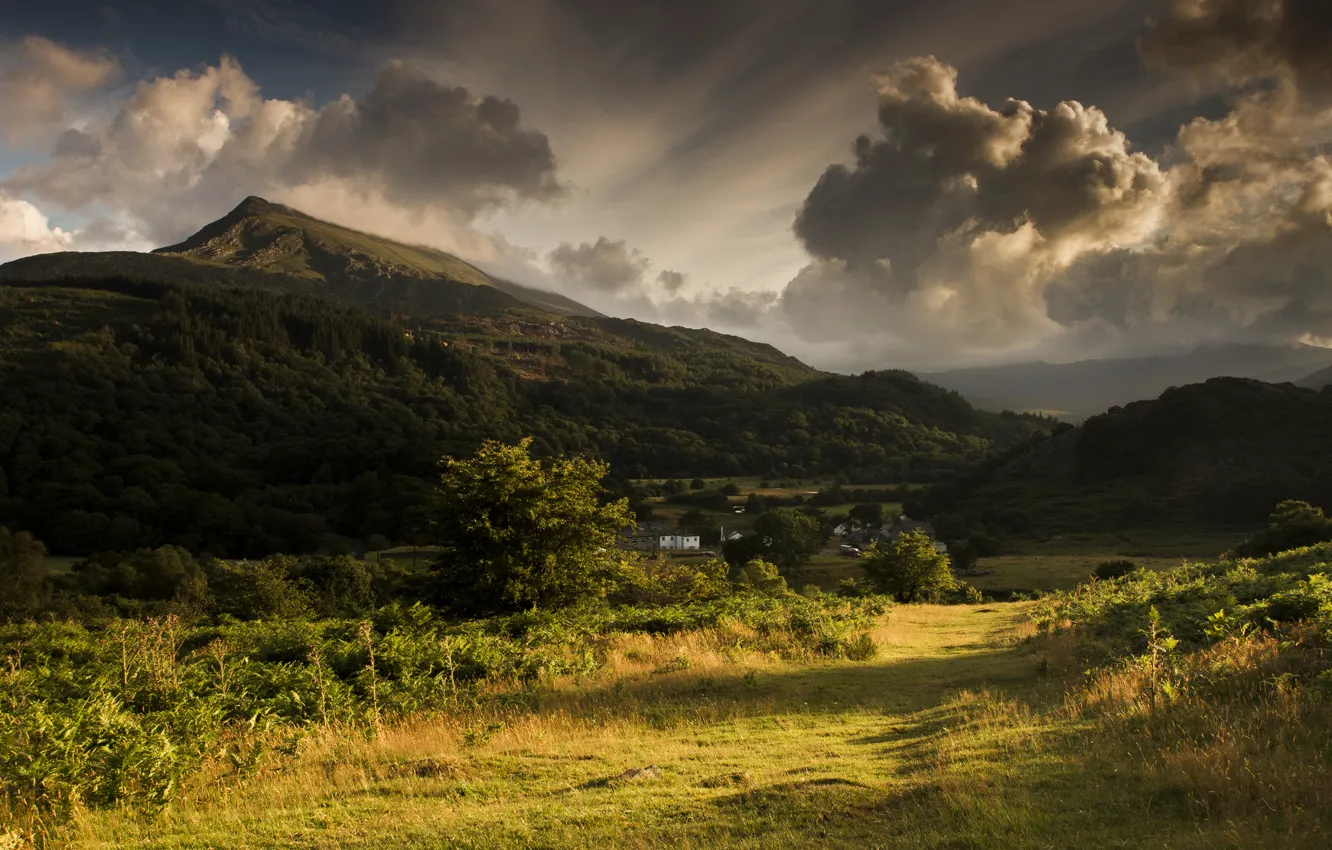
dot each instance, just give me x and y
(1107, 570)
(761, 577)
(241, 421)
(742, 550)
(124, 712)
(517, 533)
(23, 581)
(909, 568)
(1199, 603)
(789, 536)
(867, 514)
(661, 581)
(257, 590)
(1293, 524)
(150, 574)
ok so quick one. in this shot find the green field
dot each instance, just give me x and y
(1024, 573)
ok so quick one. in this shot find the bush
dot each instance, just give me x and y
(664, 581)
(1107, 570)
(23, 582)
(760, 576)
(1292, 525)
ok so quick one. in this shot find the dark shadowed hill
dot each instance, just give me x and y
(1317, 380)
(1077, 390)
(245, 421)
(1223, 452)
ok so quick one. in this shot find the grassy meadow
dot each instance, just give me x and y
(960, 733)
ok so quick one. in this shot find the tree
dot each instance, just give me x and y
(692, 518)
(697, 484)
(23, 580)
(517, 533)
(909, 568)
(789, 536)
(742, 550)
(1292, 525)
(759, 576)
(868, 514)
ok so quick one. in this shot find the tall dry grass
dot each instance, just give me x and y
(1243, 728)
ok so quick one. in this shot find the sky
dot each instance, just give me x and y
(865, 184)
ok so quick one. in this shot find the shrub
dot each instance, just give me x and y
(760, 576)
(1292, 525)
(1107, 570)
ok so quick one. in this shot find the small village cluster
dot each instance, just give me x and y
(657, 536)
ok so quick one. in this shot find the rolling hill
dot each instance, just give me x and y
(1077, 390)
(1316, 381)
(267, 245)
(1217, 454)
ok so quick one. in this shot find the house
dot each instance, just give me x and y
(861, 536)
(656, 537)
(643, 537)
(679, 540)
(841, 530)
(728, 536)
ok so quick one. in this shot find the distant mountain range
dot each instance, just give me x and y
(1075, 391)
(266, 245)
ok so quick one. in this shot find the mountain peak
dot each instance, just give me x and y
(377, 272)
(253, 205)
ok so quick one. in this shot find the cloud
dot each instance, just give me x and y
(672, 282)
(604, 266)
(185, 147)
(38, 80)
(423, 141)
(1240, 40)
(951, 222)
(24, 230)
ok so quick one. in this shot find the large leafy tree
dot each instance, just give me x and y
(909, 568)
(518, 533)
(789, 536)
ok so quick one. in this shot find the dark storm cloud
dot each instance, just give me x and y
(183, 148)
(671, 281)
(426, 141)
(1244, 39)
(947, 218)
(606, 266)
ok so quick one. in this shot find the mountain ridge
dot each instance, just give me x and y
(260, 243)
(1085, 388)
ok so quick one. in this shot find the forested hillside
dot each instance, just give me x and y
(1220, 453)
(244, 421)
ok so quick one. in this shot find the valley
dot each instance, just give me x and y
(311, 538)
